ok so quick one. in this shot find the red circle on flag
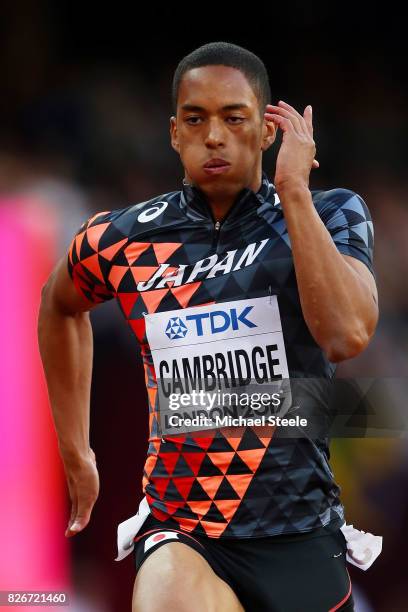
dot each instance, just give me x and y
(158, 537)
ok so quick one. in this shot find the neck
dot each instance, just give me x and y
(221, 203)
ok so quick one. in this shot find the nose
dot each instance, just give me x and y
(215, 136)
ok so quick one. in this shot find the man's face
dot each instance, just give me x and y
(218, 118)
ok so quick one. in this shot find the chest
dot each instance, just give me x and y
(198, 264)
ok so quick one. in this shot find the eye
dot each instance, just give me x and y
(193, 120)
(235, 120)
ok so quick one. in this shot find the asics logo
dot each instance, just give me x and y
(151, 213)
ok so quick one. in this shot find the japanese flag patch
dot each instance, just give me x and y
(158, 537)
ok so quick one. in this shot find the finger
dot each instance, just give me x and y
(289, 115)
(71, 531)
(285, 124)
(83, 514)
(283, 104)
(74, 510)
(79, 523)
(73, 499)
(315, 164)
(293, 110)
(308, 116)
(73, 513)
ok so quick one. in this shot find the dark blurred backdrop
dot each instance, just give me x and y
(84, 122)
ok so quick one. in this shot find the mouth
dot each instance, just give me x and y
(216, 166)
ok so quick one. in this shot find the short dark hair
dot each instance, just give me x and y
(226, 54)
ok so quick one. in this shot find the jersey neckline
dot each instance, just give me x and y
(195, 204)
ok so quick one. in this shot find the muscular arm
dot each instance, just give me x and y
(338, 293)
(66, 347)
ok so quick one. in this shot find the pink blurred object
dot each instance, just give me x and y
(35, 553)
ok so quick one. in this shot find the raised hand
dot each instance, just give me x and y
(296, 154)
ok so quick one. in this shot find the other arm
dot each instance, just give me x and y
(66, 347)
(338, 293)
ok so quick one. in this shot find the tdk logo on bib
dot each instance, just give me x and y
(220, 320)
(213, 322)
(175, 328)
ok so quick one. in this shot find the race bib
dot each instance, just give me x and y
(236, 347)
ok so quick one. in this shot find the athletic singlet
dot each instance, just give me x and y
(168, 254)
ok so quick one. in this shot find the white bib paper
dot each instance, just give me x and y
(240, 341)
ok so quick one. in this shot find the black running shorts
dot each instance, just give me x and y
(291, 573)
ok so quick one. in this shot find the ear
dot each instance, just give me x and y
(268, 134)
(173, 134)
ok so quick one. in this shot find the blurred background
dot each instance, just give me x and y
(84, 122)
